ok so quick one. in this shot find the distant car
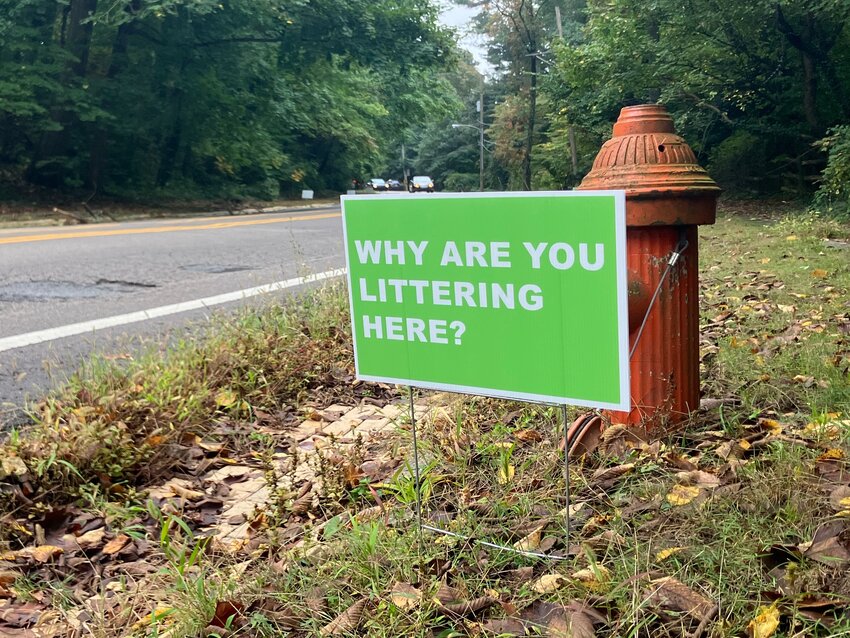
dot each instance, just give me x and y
(395, 185)
(421, 183)
(377, 184)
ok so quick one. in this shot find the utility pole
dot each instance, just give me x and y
(481, 138)
(571, 129)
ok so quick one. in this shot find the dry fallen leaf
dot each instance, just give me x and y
(531, 541)
(609, 475)
(664, 554)
(40, 554)
(209, 446)
(574, 620)
(8, 576)
(156, 616)
(116, 544)
(528, 436)
(405, 596)
(226, 611)
(670, 593)
(765, 623)
(683, 494)
(12, 466)
(698, 478)
(90, 540)
(548, 583)
(20, 616)
(596, 578)
(839, 498)
(185, 492)
(502, 627)
(832, 454)
(347, 621)
(225, 398)
(830, 544)
(517, 576)
(302, 504)
(802, 379)
(506, 474)
(449, 600)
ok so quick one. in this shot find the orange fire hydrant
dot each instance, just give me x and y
(667, 196)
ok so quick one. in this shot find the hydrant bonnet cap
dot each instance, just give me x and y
(656, 168)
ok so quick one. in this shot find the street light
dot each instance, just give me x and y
(480, 130)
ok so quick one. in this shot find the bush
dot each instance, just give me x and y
(738, 163)
(833, 196)
(462, 182)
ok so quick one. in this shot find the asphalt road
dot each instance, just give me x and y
(66, 281)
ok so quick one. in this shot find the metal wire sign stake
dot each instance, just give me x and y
(672, 260)
(420, 526)
(450, 293)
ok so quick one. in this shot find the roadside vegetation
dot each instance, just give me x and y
(103, 103)
(113, 500)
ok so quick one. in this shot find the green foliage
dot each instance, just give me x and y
(834, 191)
(738, 161)
(204, 98)
(771, 75)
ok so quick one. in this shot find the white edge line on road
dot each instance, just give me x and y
(60, 332)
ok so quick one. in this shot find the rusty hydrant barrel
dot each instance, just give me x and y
(668, 195)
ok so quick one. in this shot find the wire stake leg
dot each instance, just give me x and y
(416, 478)
(566, 477)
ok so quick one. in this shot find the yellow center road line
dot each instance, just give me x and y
(163, 221)
(23, 239)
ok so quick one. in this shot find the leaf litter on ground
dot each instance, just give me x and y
(763, 465)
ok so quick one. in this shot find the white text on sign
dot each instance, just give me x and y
(457, 293)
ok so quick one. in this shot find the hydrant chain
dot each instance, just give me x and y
(674, 258)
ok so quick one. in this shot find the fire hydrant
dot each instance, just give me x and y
(667, 196)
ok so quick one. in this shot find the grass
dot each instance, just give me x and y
(119, 424)
(775, 353)
(771, 275)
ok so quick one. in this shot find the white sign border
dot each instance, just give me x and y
(624, 404)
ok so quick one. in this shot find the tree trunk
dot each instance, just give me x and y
(99, 145)
(810, 90)
(76, 39)
(171, 147)
(532, 117)
(168, 157)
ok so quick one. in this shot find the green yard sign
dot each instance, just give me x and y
(513, 295)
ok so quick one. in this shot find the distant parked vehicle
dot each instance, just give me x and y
(377, 184)
(395, 185)
(421, 183)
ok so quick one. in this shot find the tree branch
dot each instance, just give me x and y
(703, 104)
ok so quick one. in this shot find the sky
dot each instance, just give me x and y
(459, 17)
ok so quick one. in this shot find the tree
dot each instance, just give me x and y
(520, 32)
(751, 85)
(212, 97)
